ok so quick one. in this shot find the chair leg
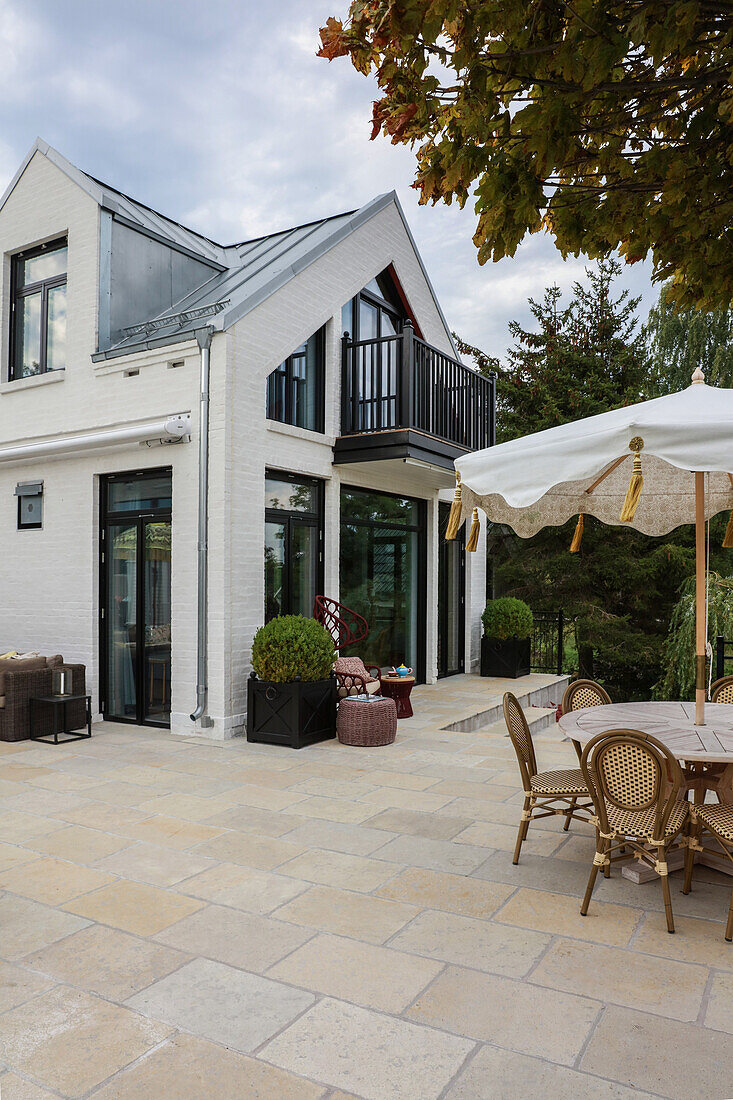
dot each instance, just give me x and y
(689, 864)
(601, 848)
(523, 826)
(662, 857)
(729, 926)
(569, 814)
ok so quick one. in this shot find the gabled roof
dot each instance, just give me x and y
(243, 274)
(131, 210)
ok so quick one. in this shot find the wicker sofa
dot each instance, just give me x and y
(20, 680)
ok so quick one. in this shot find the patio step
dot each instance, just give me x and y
(538, 702)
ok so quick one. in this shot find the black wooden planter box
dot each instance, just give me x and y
(295, 714)
(505, 657)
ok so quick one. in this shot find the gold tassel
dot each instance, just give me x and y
(473, 534)
(635, 485)
(578, 535)
(728, 537)
(454, 519)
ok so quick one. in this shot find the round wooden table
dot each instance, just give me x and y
(699, 748)
(671, 723)
(399, 688)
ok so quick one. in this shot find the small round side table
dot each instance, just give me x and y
(398, 688)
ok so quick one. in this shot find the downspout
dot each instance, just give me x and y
(203, 338)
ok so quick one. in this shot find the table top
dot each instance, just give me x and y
(59, 698)
(397, 679)
(671, 723)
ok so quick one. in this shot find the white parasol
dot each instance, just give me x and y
(683, 454)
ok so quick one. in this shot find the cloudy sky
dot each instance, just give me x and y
(219, 114)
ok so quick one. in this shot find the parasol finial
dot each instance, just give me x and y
(697, 376)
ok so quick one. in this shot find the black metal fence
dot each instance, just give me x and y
(402, 382)
(547, 642)
(723, 654)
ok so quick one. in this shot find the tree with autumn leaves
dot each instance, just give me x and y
(607, 123)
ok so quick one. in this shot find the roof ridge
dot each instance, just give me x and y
(152, 210)
(292, 228)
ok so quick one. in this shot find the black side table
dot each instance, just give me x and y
(58, 707)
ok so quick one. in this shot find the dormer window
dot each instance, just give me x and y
(38, 323)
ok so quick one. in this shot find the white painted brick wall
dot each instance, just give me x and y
(49, 579)
(259, 342)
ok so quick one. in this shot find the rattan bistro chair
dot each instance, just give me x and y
(722, 690)
(551, 793)
(635, 788)
(717, 821)
(580, 694)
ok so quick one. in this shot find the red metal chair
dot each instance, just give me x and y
(345, 626)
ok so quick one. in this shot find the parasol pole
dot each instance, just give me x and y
(700, 624)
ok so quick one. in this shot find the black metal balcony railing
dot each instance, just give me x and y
(402, 382)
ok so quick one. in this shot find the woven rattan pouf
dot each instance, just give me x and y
(367, 722)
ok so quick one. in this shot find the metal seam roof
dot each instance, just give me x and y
(250, 270)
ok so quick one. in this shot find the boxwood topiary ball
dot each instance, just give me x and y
(292, 647)
(507, 617)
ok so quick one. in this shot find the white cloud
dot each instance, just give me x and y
(221, 115)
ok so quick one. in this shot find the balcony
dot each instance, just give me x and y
(403, 398)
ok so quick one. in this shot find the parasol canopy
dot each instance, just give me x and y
(681, 445)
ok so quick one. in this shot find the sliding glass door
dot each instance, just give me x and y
(382, 574)
(136, 597)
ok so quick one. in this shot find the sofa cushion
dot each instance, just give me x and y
(10, 653)
(17, 664)
(54, 662)
(372, 687)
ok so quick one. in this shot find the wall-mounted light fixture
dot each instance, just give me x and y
(30, 505)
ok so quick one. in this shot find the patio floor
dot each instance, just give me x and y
(190, 920)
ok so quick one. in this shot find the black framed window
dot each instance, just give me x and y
(38, 314)
(293, 544)
(376, 311)
(295, 389)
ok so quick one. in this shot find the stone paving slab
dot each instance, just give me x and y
(191, 919)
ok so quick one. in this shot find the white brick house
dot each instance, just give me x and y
(105, 306)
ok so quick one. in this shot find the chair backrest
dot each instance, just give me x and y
(344, 625)
(631, 771)
(722, 690)
(584, 693)
(521, 738)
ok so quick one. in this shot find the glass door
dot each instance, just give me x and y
(120, 613)
(157, 636)
(451, 605)
(136, 598)
(293, 544)
(382, 574)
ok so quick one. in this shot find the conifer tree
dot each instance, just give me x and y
(582, 358)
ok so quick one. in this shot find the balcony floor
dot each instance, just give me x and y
(186, 919)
